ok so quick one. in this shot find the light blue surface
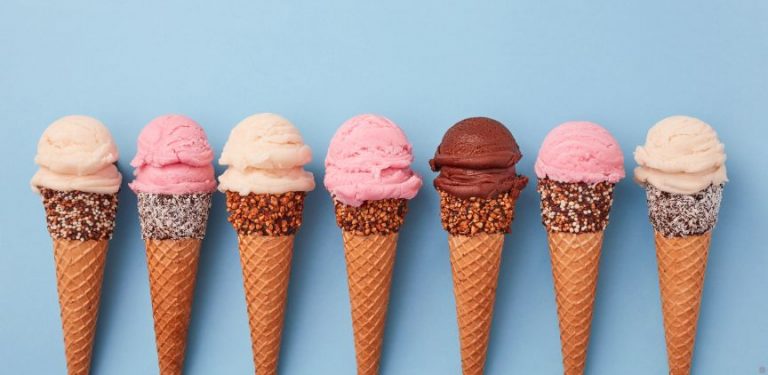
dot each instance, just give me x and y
(426, 64)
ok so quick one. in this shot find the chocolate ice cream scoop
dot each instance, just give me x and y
(477, 158)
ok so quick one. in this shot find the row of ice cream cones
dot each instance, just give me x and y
(369, 177)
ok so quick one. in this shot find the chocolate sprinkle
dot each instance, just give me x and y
(680, 215)
(77, 215)
(469, 216)
(372, 217)
(575, 207)
(265, 214)
(173, 216)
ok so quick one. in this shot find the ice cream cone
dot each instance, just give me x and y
(80, 224)
(475, 261)
(266, 185)
(172, 268)
(478, 186)
(370, 242)
(266, 265)
(174, 181)
(575, 259)
(578, 166)
(265, 257)
(682, 168)
(79, 273)
(78, 183)
(173, 226)
(682, 263)
(370, 180)
(370, 260)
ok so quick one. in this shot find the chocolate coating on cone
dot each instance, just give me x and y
(265, 214)
(575, 207)
(680, 215)
(173, 216)
(372, 217)
(77, 215)
(473, 215)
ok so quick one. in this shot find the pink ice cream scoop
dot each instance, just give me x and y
(369, 159)
(580, 151)
(173, 157)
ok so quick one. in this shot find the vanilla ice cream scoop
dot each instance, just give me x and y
(265, 154)
(77, 153)
(681, 155)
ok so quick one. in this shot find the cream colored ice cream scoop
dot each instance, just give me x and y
(265, 154)
(77, 153)
(681, 155)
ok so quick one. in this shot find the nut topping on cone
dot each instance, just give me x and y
(478, 185)
(265, 184)
(578, 166)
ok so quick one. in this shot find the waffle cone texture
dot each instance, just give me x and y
(682, 264)
(575, 215)
(370, 261)
(172, 266)
(80, 224)
(266, 225)
(475, 262)
(476, 228)
(172, 226)
(575, 262)
(79, 274)
(266, 265)
(682, 225)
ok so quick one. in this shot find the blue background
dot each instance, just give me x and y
(426, 64)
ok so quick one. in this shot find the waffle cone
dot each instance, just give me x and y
(79, 273)
(172, 268)
(266, 264)
(575, 260)
(682, 263)
(475, 261)
(370, 260)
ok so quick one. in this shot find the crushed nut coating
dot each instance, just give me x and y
(680, 215)
(575, 207)
(77, 215)
(265, 214)
(372, 217)
(469, 216)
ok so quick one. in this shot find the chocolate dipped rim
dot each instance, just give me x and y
(372, 217)
(680, 215)
(266, 214)
(575, 207)
(78, 215)
(469, 216)
(173, 216)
